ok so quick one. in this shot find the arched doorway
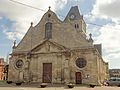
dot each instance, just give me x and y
(78, 78)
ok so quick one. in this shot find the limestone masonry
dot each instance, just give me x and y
(56, 51)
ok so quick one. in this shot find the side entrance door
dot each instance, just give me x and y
(47, 72)
(78, 78)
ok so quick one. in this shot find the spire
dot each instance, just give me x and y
(73, 14)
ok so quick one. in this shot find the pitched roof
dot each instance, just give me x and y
(74, 10)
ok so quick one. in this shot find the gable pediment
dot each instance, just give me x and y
(48, 46)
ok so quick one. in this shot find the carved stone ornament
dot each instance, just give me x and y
(67, 54)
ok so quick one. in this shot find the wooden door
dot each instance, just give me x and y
(78, 78)
(47, 72)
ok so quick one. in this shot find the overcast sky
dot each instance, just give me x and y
(104, 16)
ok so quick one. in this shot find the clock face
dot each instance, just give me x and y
(72, 16)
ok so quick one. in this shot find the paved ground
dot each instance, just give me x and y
(59, 88)
(4, 86)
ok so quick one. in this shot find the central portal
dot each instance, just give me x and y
(47, 72)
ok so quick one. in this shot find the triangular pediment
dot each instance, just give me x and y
(48, 46)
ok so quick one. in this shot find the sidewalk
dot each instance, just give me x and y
(36, 86)
(59, 88)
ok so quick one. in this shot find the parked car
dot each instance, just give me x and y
(113, 82)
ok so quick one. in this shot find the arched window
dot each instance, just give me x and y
(76, 26)
(48, 30)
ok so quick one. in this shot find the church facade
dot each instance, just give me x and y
(56, 51)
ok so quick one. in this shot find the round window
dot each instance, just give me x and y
(19, 63)
(81, 62)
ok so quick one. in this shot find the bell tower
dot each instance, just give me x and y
(76, 20)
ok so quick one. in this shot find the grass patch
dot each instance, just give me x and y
(2, 81)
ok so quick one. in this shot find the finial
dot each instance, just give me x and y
(90, 37)
(14, 44)
(49, 7)
(31, 23)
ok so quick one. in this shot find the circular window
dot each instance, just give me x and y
(19, 63)
(81, 62)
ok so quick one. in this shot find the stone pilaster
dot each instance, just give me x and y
(66, 71)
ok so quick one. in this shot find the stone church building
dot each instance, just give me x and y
(56, 51)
